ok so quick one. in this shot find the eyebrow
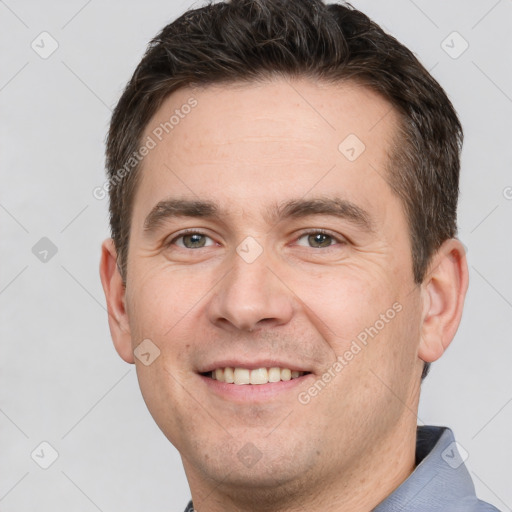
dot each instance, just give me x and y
(294, 208)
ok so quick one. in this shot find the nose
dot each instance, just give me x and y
(251, 296)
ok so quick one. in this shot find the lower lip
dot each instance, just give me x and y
(254, 392)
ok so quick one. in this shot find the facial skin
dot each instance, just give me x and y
(302, 301)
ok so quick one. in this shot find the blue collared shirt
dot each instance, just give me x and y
(439, 483)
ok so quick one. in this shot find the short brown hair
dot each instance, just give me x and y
(250, 40)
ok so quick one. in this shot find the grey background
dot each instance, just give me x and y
(60, 378)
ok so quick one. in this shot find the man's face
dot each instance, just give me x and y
(259, 286)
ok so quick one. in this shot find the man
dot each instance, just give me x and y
(283, 264)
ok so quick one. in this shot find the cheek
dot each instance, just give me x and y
(346, 301)
(165, 395)
(387, 361)
(164, 299)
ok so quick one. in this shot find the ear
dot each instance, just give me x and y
(115, 294)
(443, 293)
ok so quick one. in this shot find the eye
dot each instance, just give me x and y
(191, 240)
(318, 239)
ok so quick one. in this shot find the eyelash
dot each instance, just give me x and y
(338, 239)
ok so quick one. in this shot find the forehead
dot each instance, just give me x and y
(242, 144)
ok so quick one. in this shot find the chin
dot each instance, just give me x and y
(257, 464)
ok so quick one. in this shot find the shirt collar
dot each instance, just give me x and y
(440, 480)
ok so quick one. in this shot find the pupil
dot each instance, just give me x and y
(195, 239)
(320, 238)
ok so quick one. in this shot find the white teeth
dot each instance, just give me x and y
(274, 374)
(229, 375)
(241, 376)
(259, 376)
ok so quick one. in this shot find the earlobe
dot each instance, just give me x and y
(443, 293)
(114, 289)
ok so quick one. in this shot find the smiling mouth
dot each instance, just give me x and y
(242, 376)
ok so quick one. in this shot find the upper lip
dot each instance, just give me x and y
(253, 364)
